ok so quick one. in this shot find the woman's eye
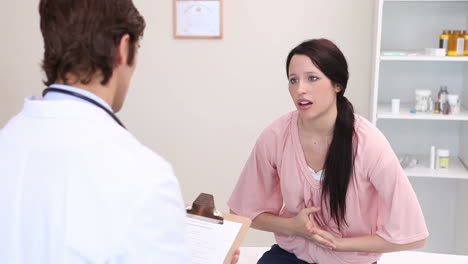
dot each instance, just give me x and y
(312, 78)
(292, 80)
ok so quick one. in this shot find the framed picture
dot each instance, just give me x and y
(198, 18)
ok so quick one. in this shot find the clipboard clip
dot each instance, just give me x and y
(203, 208)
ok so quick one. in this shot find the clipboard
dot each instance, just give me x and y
(222, 233)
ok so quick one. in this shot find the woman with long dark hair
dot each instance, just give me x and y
(324, 179)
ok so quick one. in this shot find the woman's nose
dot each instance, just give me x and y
(301, 88)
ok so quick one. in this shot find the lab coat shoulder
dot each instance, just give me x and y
(107, 197)
(141, 210)
(160, 216)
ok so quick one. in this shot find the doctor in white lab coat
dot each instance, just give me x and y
(75, 185)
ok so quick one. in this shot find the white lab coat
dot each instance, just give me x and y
(75, 187)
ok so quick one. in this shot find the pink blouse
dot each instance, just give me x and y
(380, 199)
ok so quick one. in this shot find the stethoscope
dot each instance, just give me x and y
(57, 90)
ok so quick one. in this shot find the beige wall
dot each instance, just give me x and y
(202, 103)
(20, 55)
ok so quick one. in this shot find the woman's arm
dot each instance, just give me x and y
(370, 244)
(300, 225)
(376, 244)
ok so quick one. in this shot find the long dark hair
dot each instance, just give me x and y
(339, 162)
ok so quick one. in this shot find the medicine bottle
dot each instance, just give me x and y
(437, 108)
(421, 102)
(456, 44)
(442, 97)
(466, 42)
(443, 40)
(443, 158)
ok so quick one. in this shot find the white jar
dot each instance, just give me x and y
(421, 103)
(454, 103)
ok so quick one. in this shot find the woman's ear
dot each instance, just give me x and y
(338, 88)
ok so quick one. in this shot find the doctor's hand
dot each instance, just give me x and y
(303, 225)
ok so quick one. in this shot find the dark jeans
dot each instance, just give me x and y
(277, 255)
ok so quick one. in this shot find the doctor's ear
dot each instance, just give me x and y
(122, 50)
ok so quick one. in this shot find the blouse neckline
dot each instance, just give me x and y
(304, 168)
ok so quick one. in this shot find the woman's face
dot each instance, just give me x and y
(312, 92)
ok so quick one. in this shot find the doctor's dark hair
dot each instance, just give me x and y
(339, 163)
(81, 36)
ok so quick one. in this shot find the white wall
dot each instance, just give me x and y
(20, 55)
(202, 103)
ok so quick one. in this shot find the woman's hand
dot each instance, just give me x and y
(303, 225)
(236, 256)
(327, 236)
(368, 244)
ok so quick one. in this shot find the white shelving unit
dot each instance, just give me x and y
(422, 58)
(456, 171)
(384, 111)
(406, 28)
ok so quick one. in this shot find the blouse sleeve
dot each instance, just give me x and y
(258, 187)
(400, 219)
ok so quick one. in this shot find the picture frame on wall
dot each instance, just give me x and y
(198, 19)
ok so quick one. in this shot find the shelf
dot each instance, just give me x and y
(425, 0)
(423, 58)
(457, 169)
(384, 112)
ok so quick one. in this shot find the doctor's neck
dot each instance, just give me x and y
(106, 92)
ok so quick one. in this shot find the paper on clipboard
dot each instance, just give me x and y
(210, 242)
(212, 238)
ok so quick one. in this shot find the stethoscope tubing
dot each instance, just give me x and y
(110, 113)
